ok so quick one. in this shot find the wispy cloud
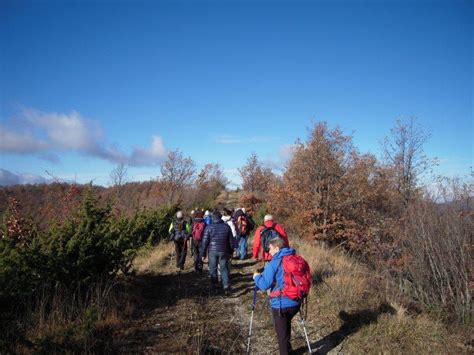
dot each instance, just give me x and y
(280, 159)
(48, 133)
(286, 152)
(151, 156)
(8, 178)
(20, 142)
(230, 139)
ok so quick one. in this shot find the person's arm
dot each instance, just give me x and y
(230, 240)
(232, 227)
(251, 222)
(205, 241)
(265, 280)
(256, 243)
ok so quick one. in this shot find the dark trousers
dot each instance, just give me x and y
(221, 259)
(197, 246)
(282, 323)
(180, 246)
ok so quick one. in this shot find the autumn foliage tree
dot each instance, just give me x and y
(330, 191)
(308, 193)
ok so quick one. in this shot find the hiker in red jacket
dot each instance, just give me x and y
(265, 233)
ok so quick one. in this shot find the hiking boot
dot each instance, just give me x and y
(227, 292)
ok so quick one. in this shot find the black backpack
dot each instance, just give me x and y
(180, 232)
(267, 234)
(250, 222)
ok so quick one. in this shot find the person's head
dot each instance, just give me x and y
(268, 217)
(216, 216)
(226, 212)
(193, 212)
(243, 210)
(179, 214)
(207, 213)
(275, 245)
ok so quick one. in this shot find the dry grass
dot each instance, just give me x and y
(357, 310)
(152, 259)
(63, 320)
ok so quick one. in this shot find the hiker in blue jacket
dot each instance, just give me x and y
(207, 218)
(283, 308)
(218, 241)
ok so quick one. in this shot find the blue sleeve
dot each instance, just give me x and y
(267, 278)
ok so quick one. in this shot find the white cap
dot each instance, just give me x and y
(192, 212)
(268, 217)
(243, 210)
(206, 213)
(179, 214)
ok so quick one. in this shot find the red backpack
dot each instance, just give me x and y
(198, 230)
(296, 278)
(242, 225)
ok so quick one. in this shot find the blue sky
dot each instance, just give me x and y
(85, 84)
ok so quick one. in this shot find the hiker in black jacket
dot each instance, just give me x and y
(218, 242)
(179, 232)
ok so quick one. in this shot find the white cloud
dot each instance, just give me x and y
(62, 132)
(7, 178)
(19, 142)
(152, 156)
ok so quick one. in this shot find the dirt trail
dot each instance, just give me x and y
(179, 315)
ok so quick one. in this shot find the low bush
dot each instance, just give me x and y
(89, 248)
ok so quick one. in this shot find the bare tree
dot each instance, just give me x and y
(438, 240)
(118, 175)
(211, 175)
(176, 174)
(403, 151)
(255, 176)
(209, 184)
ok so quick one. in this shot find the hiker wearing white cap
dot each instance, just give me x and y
(264, 233)
(179, 232)
(207, 218)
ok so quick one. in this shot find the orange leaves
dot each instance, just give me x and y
(17, 229)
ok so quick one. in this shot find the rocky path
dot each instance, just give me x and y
(179, 315)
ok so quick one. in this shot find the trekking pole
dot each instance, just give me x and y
(251, 318)
(305, 332)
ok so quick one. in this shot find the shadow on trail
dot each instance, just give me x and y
(352, 323)
(165, 290)
(240, 264)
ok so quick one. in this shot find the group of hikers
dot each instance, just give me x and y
(219, 237)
